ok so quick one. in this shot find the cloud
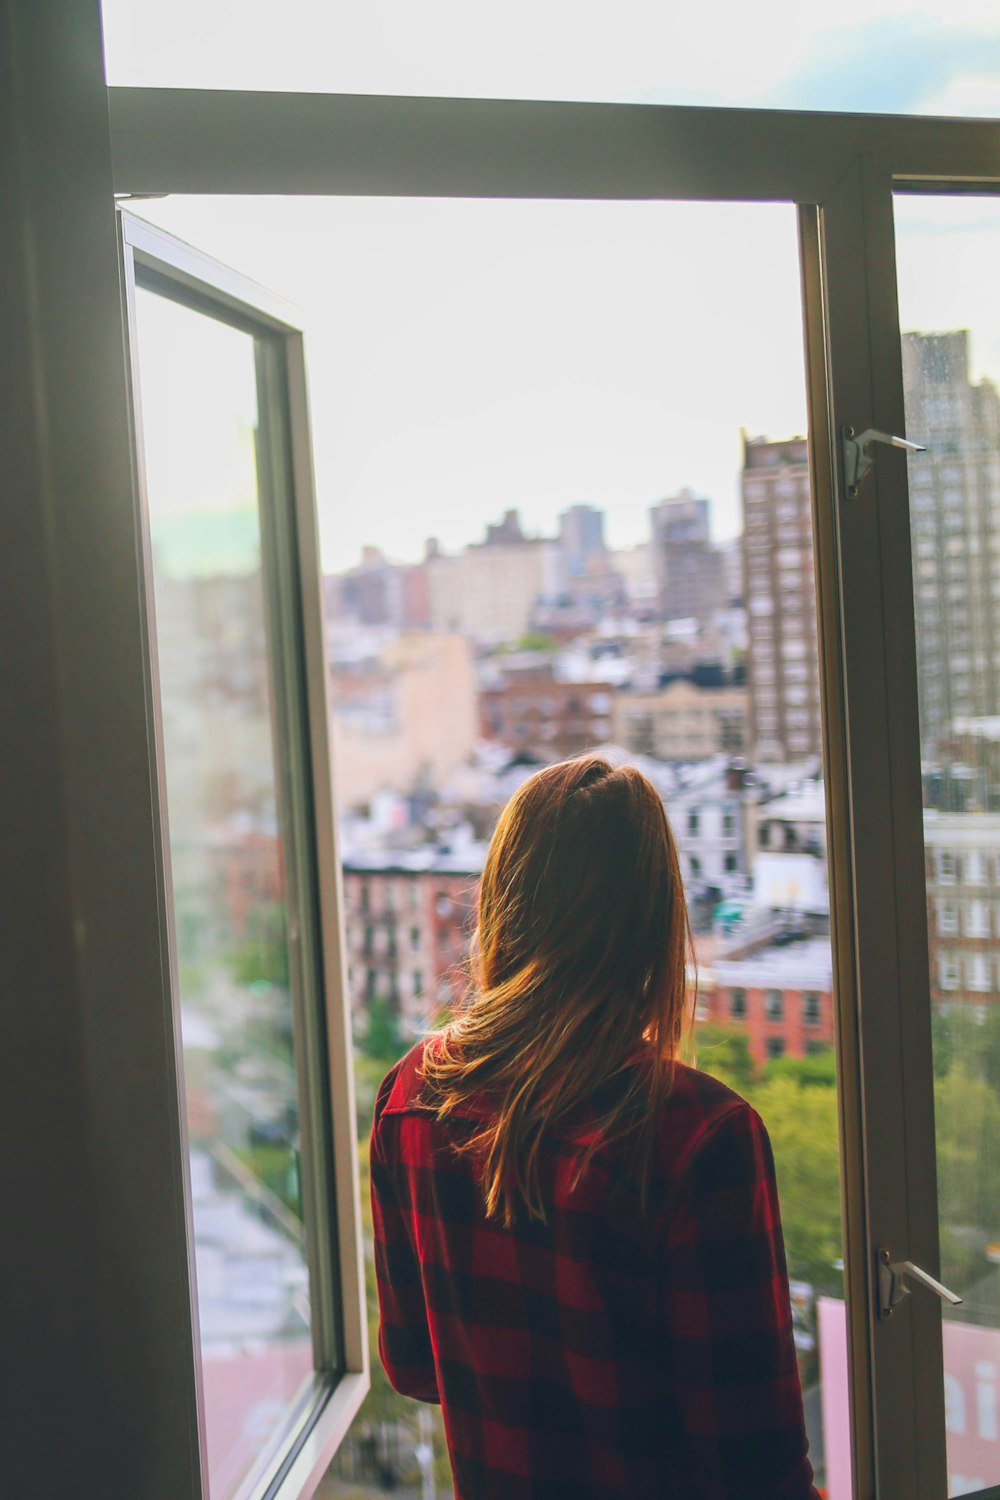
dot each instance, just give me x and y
(891, 66)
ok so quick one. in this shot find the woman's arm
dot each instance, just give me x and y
(404, 1341)
(724, 1299)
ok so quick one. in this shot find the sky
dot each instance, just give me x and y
(907, 56)
(468, 357)
(465, 357)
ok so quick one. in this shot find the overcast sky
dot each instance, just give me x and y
(469, 356)
(900, 56)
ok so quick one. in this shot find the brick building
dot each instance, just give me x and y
(682, 721)
(782, 997)
(408, 934)
(533, 711)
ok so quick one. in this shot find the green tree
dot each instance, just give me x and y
(262, 956)
(725, 1054)
(967, 1119)
(815, 1070)
(801, 1121)
(382, 1040)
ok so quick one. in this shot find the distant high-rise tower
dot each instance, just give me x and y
(780, 599)
(955, 526)
(689, 568)
(581, 536)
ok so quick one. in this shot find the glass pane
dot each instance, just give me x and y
(890, 56)
(227, 855)
(948, 250)
(555, 393)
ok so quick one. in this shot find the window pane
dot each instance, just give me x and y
(890, 56)
(227, 859)
(950, 311)
(554, 393)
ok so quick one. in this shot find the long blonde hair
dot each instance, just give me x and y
(579, 969)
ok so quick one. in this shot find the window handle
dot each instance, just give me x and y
(857, 457)
(892, 1279)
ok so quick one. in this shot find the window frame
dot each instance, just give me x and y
(73, 464)
(157, 262)
(841, 171)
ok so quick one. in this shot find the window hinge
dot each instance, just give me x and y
(857, 457)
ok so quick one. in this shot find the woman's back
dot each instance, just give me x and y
(631, 1344)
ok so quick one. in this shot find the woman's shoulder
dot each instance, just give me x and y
(696, 1110)
(400, 1088)
(700, 1091)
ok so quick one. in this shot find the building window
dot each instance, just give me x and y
(775, 1047)
(977, 970)
(418, 984)
(365, 896)
(811, 1010)
(948, 975)
(729, 864)
(738, 1004)
(414, 938)
(947, 867)
(694, 821)
(774, 1005)
(977, 919)
(947, 915)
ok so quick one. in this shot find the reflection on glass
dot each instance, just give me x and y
(947, 253)
(226, 851)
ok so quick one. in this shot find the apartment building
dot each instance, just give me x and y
(532, 710)
(407, 932)
(955, 510)
(780, 997)
(963, 907)
(779, 593)
(682, 721)
(491, 589)
(690, 572)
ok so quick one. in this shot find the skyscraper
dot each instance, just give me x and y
(780, 599)
(955, 527)
(581, 536)
(689, 571)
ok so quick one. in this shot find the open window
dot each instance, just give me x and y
(237, 693)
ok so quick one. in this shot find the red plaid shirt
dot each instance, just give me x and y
(602, 1355)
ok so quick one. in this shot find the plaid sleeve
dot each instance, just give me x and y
(404, 1341)
(724, 1298)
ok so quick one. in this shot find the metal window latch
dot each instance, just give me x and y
(857, 456)
(892, 1279)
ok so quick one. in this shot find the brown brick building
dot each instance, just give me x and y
(535, 712)
(408, 937)
(781, 997)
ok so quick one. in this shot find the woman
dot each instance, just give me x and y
(577, 1239)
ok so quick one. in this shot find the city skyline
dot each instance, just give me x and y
(468, 356)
